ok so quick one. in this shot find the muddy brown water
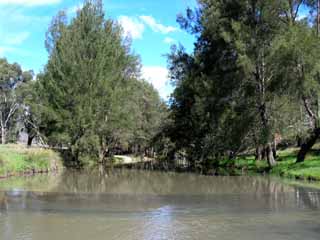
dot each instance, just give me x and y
(136, 205)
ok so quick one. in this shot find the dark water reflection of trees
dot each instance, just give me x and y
(142, 190)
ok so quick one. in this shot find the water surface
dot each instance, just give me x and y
(134, 204)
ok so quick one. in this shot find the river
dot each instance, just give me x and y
(137, 205)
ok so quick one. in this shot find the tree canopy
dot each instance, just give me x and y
(254, 65)
(92, 99)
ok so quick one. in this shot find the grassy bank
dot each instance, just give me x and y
(286, 167)
(18, 160)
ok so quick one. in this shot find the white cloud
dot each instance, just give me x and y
(158, 77)
(157, 27)
(29, 2)
(169, 40)
(131, 27)
(15, 39)
(134, 26)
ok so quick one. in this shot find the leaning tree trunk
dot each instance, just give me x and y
(314, 135)
(308, 144)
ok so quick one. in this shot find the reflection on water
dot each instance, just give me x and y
(153, 205)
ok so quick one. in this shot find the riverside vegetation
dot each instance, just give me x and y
(16, 160)
(286, 166)
(251, 85)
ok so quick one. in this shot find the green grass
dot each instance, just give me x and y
(308, 170)
(286, 165)
(18, 159)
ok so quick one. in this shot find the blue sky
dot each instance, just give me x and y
(151, 25)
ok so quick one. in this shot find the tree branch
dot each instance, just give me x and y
(308, 109)
(12, 111)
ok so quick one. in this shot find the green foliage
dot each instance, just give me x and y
(297, 51)
(219, 98)
(90, 98)
(253, 65)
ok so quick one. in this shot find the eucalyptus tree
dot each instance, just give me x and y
(297, 52)
(12, 78)
(30, 113)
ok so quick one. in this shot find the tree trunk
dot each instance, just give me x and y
(264, 153)
(274, 152)
(274, 149)
(3, 135)
(306, 146)
(259, 150)
(299, 141)
(102, 153)
(318, 17)
(30, 139)
(270, 156)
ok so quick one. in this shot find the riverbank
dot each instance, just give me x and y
(16, 160)
(286, 165)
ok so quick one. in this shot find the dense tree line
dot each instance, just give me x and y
(252, 82)
(90, 99)
(252, 79)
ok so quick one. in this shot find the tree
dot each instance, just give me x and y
(314, 6)
(30, 111)
(225, 86)
(90, 91)
(238, 90)
(297, 53)
(11, 79)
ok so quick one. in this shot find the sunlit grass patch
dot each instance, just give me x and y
(16, 159)
(286, 165)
